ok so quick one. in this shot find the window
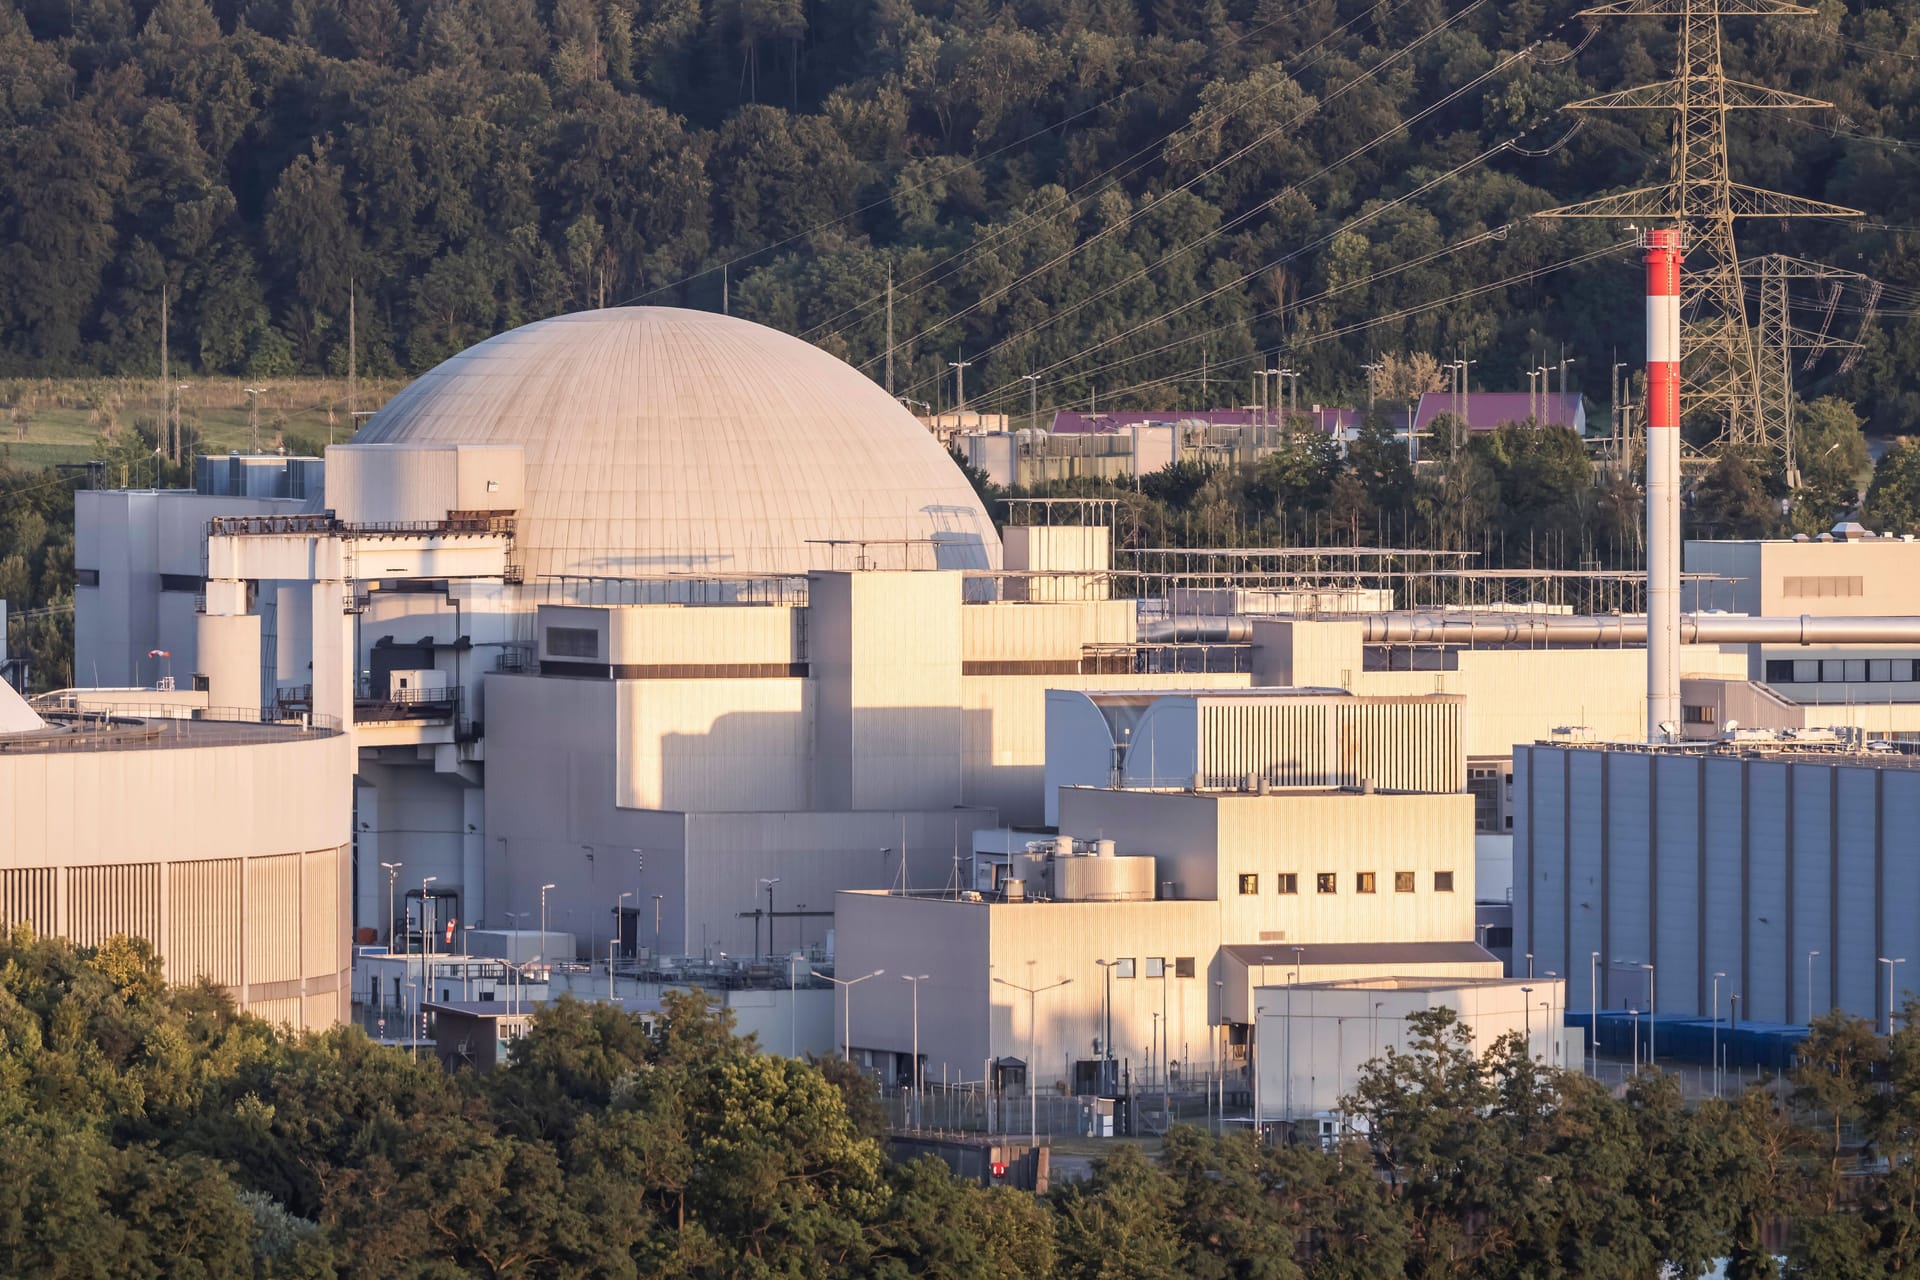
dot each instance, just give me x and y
(1443, 882)
(1363, 882)
(1403, 882)
(1779, 671)
(1249, 883)
(573, 642)
(1823, 586)
(1289, 882)
(1484, 784)
(1183, 967)
(1691, 714)
(1879, 670)
(1327, 882)
(86, 577)
(1156, 966)
(1123, 967)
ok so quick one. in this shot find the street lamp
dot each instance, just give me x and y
(1715, 1049)
(656, 926)
(1106, 1042)
(1529, 966)
(1526, 1005)
(426, 954)
(1033, 1092)
(1253, 1060)
(846, 986)
(916, 979)
(543, 913)
(1810, 956)
(1890, 963)
(619, 929)
(393, 870)
(1652, 1005)
(1593, 1012)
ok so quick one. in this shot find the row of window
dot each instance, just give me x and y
(1156, 967)
(1329, 882)
(1841, 670)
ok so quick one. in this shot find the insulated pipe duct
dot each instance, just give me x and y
(1200, 630)
(1663, 483)
(1588, 632)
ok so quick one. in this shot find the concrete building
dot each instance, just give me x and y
(221, 841)
(1314, 1038)
(1156, 913)
(1641, 872)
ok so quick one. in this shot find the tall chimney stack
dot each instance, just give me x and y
(1663, 256)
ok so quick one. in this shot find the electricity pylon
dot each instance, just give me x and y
(1720, 376)
(1775, 337)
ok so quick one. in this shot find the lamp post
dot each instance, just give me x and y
(1715, 1049)
(1593, 1012)
(1890, 963)
(1286, 1087)
(846, 986)
(793, 1007)
(1253, 1059)
(393, 870)
(1526, 1006)
(426, 954)
(1529, 966)
(1106, 1040)
(619, 932)
(543, 914)
(1652, 1006)
(1217, 1051)
(767, 883)
(1636, 1039)
(1033, 1091)
(916, 979)
(656, 925)
(1810, 956)
(1166, 1034)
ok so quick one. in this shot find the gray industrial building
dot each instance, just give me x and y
(1789, 867)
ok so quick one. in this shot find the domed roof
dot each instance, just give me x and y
(661, 441)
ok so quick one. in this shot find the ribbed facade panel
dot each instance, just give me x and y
(105, 901)
(322, 949)
(1629, 879)
(1900, 882)
(1856, 894)
(1764, 987)
(1676, 873)
(31, 896)
(203, 921)
(1411, 744)
(273, 915)
(1726, 833)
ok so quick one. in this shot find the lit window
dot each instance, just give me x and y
(1289, 882)
(1156, 966)
(1403, 882)
(1363, 882)
(1443, 882)
(1183, 967)
(1123, 967)
(1250, 883)
(1327, 882)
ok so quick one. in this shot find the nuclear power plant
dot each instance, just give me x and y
(675, 645)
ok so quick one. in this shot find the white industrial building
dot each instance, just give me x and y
(1157, 914)
(641, 615)
(219, 839)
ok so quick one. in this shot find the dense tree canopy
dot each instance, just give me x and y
(147, 1132)
(1110, 191)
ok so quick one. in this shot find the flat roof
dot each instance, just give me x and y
(93, 732)
(1427, 982)
(1345, 953)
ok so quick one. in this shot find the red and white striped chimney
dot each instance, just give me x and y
(1664, 252)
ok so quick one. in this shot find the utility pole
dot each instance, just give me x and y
(353, 352)
(1033, 399)
(959, 368)
(889, 328)
(253, 419)
(166, 385)
(725, 302)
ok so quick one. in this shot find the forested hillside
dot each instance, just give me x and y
(1108, 190)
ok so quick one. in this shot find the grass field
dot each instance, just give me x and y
(44, 422)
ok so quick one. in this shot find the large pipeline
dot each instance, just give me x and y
(1202, 629)
(1589, 631)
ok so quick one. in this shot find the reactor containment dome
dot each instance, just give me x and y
(664, 441)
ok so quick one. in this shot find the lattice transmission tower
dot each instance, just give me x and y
(1722, 379)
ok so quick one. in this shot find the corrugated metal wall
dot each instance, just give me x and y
(203, 921)
(1411, 745)
(30, 896)
(103, 901)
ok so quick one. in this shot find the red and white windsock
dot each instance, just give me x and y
(1664, 252)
